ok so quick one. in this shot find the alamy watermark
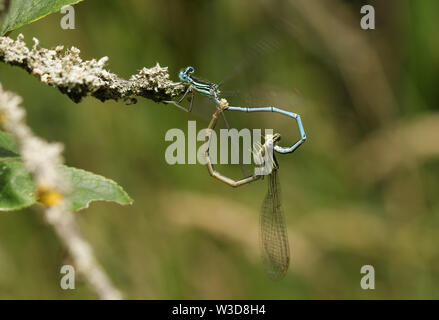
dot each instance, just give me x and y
(256, 148)
(368, 20)
(68, 280)
(68, 20)
(368, 280)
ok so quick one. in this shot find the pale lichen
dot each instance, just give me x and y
(79, 78)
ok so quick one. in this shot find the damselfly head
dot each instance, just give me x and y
(267, 150)
(276, 138)
(184, 74)
(263, 153)
(272, 139)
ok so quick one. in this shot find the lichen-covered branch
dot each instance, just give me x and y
(42, 159)
(77, 78)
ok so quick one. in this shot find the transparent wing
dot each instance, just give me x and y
(273, 232)
(267, 44)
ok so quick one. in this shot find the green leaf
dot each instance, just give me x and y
(23, 12)
(89, 187)
(8, 147)
(17, 190)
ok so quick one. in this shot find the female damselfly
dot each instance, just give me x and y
(273, 232)
(273, 235)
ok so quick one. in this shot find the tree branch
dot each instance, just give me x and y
(77, 79)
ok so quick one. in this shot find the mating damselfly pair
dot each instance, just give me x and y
(273, 231)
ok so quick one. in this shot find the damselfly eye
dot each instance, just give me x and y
(183, 76)
(189, 70)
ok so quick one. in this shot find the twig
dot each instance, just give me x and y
(42, 159)
(77, 79)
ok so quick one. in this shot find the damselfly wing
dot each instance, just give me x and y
(273, 232)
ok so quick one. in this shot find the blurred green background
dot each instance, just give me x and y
(363, 190)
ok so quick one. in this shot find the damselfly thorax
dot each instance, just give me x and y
(204, 87)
